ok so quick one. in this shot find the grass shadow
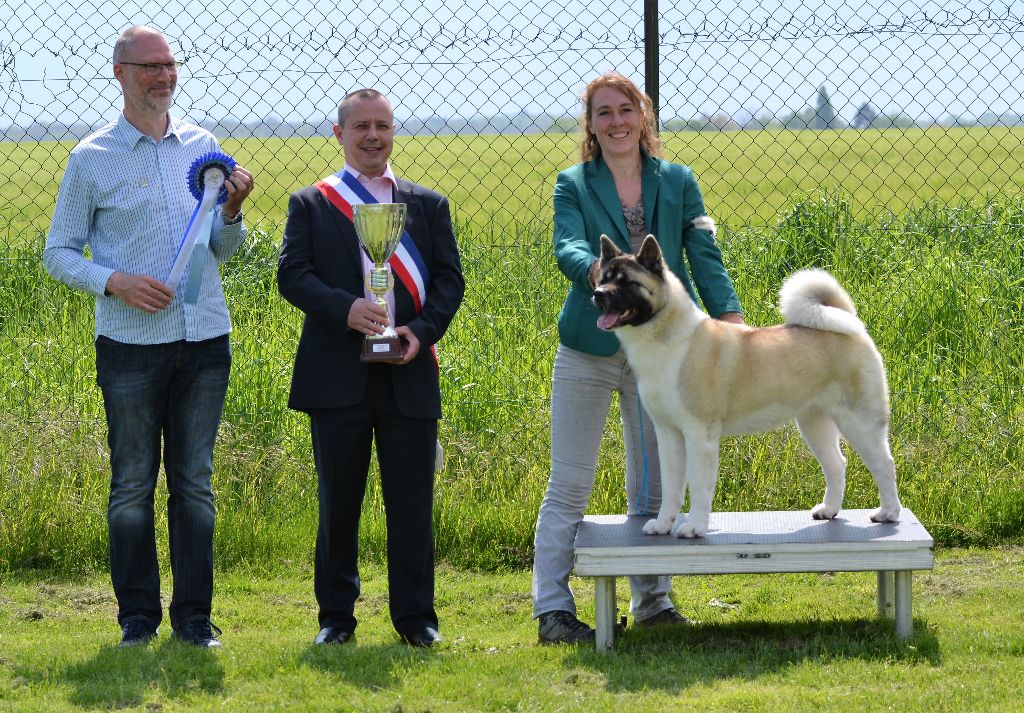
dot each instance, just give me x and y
(377, 667)
(674, 659)
(119, 678)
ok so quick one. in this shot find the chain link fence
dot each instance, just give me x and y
(883, 141)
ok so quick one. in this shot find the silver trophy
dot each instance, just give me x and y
(379, 227)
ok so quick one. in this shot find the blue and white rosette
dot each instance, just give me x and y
(206, 178)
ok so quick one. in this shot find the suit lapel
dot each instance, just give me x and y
(346, 230)
(400, 195)
(403, 196)
(603, 187)
(649, 181)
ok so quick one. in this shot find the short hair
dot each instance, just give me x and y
(126, 40)
(649, 139)
(346, 103)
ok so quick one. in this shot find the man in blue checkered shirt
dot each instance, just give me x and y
(161, 363)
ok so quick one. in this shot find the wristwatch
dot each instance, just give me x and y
(236, 218)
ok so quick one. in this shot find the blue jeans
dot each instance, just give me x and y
(175, 393)
(581, 396)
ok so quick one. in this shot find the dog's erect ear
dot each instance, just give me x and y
(649, 256)
(608, 249)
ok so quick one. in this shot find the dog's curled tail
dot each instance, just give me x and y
(813, 298)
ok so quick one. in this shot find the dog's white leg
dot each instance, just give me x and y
(672, 458)
(822, 435)
(870, 438)
(702, 467)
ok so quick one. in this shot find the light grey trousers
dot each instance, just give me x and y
(581, 394)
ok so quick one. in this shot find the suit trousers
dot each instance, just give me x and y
(342, 443)
(581, 394)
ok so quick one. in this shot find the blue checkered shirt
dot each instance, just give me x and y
(126, 197)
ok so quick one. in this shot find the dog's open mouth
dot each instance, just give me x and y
(612, 319)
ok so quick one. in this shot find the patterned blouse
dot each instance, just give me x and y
(635, 224)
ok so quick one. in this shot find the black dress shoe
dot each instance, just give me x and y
(332, 635)
(199, 632)
(136, 633)
(425, 637)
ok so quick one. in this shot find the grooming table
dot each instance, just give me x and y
(610, 546)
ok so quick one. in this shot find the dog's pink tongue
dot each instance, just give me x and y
(608, 320)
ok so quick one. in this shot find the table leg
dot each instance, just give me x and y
(885, 594)
(904, 615)
(604, 602)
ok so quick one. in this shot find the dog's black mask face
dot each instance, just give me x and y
(627, 286)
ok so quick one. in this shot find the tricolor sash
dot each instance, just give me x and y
(343, 190)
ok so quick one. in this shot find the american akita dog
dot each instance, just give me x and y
(701, 379)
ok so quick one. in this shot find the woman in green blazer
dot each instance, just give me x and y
(623, 190)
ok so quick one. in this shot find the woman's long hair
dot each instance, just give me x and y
(649, 139)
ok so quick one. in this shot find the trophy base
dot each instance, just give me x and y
(381, 349)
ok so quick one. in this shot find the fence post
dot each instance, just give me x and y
(651, 71)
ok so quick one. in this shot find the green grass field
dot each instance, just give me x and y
(785, 643)
(498, 182)
(929, 242)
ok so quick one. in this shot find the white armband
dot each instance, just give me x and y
(705, 222)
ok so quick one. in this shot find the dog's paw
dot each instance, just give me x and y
(689, 529)
(886, 514)
(657, 527)
(823, 512)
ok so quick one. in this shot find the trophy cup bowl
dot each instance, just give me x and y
(379, 227)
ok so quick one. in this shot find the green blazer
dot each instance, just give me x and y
(587, 205)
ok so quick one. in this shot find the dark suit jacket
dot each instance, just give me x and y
(320, 272)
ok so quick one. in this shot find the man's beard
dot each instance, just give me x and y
(150, 103)
(162, 105)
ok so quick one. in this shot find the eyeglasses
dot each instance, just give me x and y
(153, 68)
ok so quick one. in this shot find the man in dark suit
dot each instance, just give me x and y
(351, 402)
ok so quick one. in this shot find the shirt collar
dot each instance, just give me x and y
(363, 178)
(132, 136)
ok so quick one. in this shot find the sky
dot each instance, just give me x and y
(439, 57)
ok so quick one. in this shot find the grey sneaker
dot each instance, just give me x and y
(666, 617)
(562, 627)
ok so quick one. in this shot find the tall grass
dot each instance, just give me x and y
(939, 286)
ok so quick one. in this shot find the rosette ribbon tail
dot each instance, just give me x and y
(206, 179)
